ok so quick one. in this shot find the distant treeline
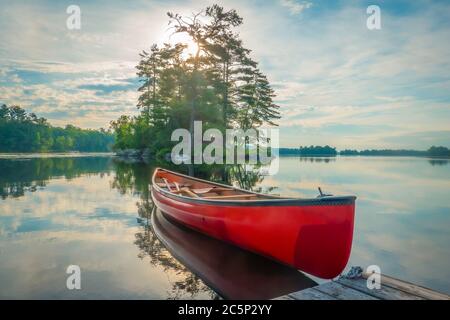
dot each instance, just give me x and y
(25, 132)
(330, 151)
(309, 151)
(431, 152)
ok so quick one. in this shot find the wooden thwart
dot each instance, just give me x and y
(207, 190)
(172, 185)
(188, 192)
(231, 196)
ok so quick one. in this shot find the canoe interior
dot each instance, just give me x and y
(191, 187)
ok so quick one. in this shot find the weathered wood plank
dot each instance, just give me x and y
(356, 289)
(411, 288)
(384, 293)
(341, 292)
(286, 297)
(311, 294)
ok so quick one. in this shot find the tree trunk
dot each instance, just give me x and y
(193, 106)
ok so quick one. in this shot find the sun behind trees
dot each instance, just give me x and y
(217, 82)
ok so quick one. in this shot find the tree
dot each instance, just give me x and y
(4, 113)
(123, 128)
(218, 84)
(256, 104)
(25, 132)
(149, 71)
(438, 151)
(227, 66)
(18, 114)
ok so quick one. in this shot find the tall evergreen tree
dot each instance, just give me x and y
(219, 83)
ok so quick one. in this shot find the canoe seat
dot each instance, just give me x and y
(234, 196)
(172, 185)
(210, 189)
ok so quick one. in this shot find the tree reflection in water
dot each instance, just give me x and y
(188, 284)
(325, 159)
(246, 275)
(19, 176)
(135, 178)
(438, 162)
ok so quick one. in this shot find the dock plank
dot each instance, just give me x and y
(384, 293)
(286, 297)
(411, 288)
(311, 294)
(354, 287)
(342, 292)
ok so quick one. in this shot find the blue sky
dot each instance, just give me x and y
(337, 82)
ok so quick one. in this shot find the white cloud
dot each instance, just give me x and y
(327, 70)
(296, 7)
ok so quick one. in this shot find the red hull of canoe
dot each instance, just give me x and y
(244, 276)
(316, 239)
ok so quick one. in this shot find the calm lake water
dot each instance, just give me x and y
(96, 212)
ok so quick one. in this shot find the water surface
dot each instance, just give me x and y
(96, 212)
(402, 221)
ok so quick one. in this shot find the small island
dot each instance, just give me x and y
(327, 151)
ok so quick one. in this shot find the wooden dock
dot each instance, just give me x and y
(355, 288)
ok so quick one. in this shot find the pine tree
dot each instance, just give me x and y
(219, 84)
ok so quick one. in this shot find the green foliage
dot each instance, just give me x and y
(431, 152)
(317, 151)
(218, 84)
(25, 132)
(289, 152)
(383, 152)
(438, 152)
(349, 152)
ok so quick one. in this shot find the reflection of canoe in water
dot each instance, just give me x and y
(231, 272)
(313, 235)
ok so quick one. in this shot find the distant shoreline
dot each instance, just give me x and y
(34, 155)
(361, 155)
(328, 151)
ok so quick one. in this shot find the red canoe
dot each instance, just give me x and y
(313, 235)
(244, 276)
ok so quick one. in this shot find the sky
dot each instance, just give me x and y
(337, 82)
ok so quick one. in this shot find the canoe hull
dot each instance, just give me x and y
(244, 276)
(314, 238)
